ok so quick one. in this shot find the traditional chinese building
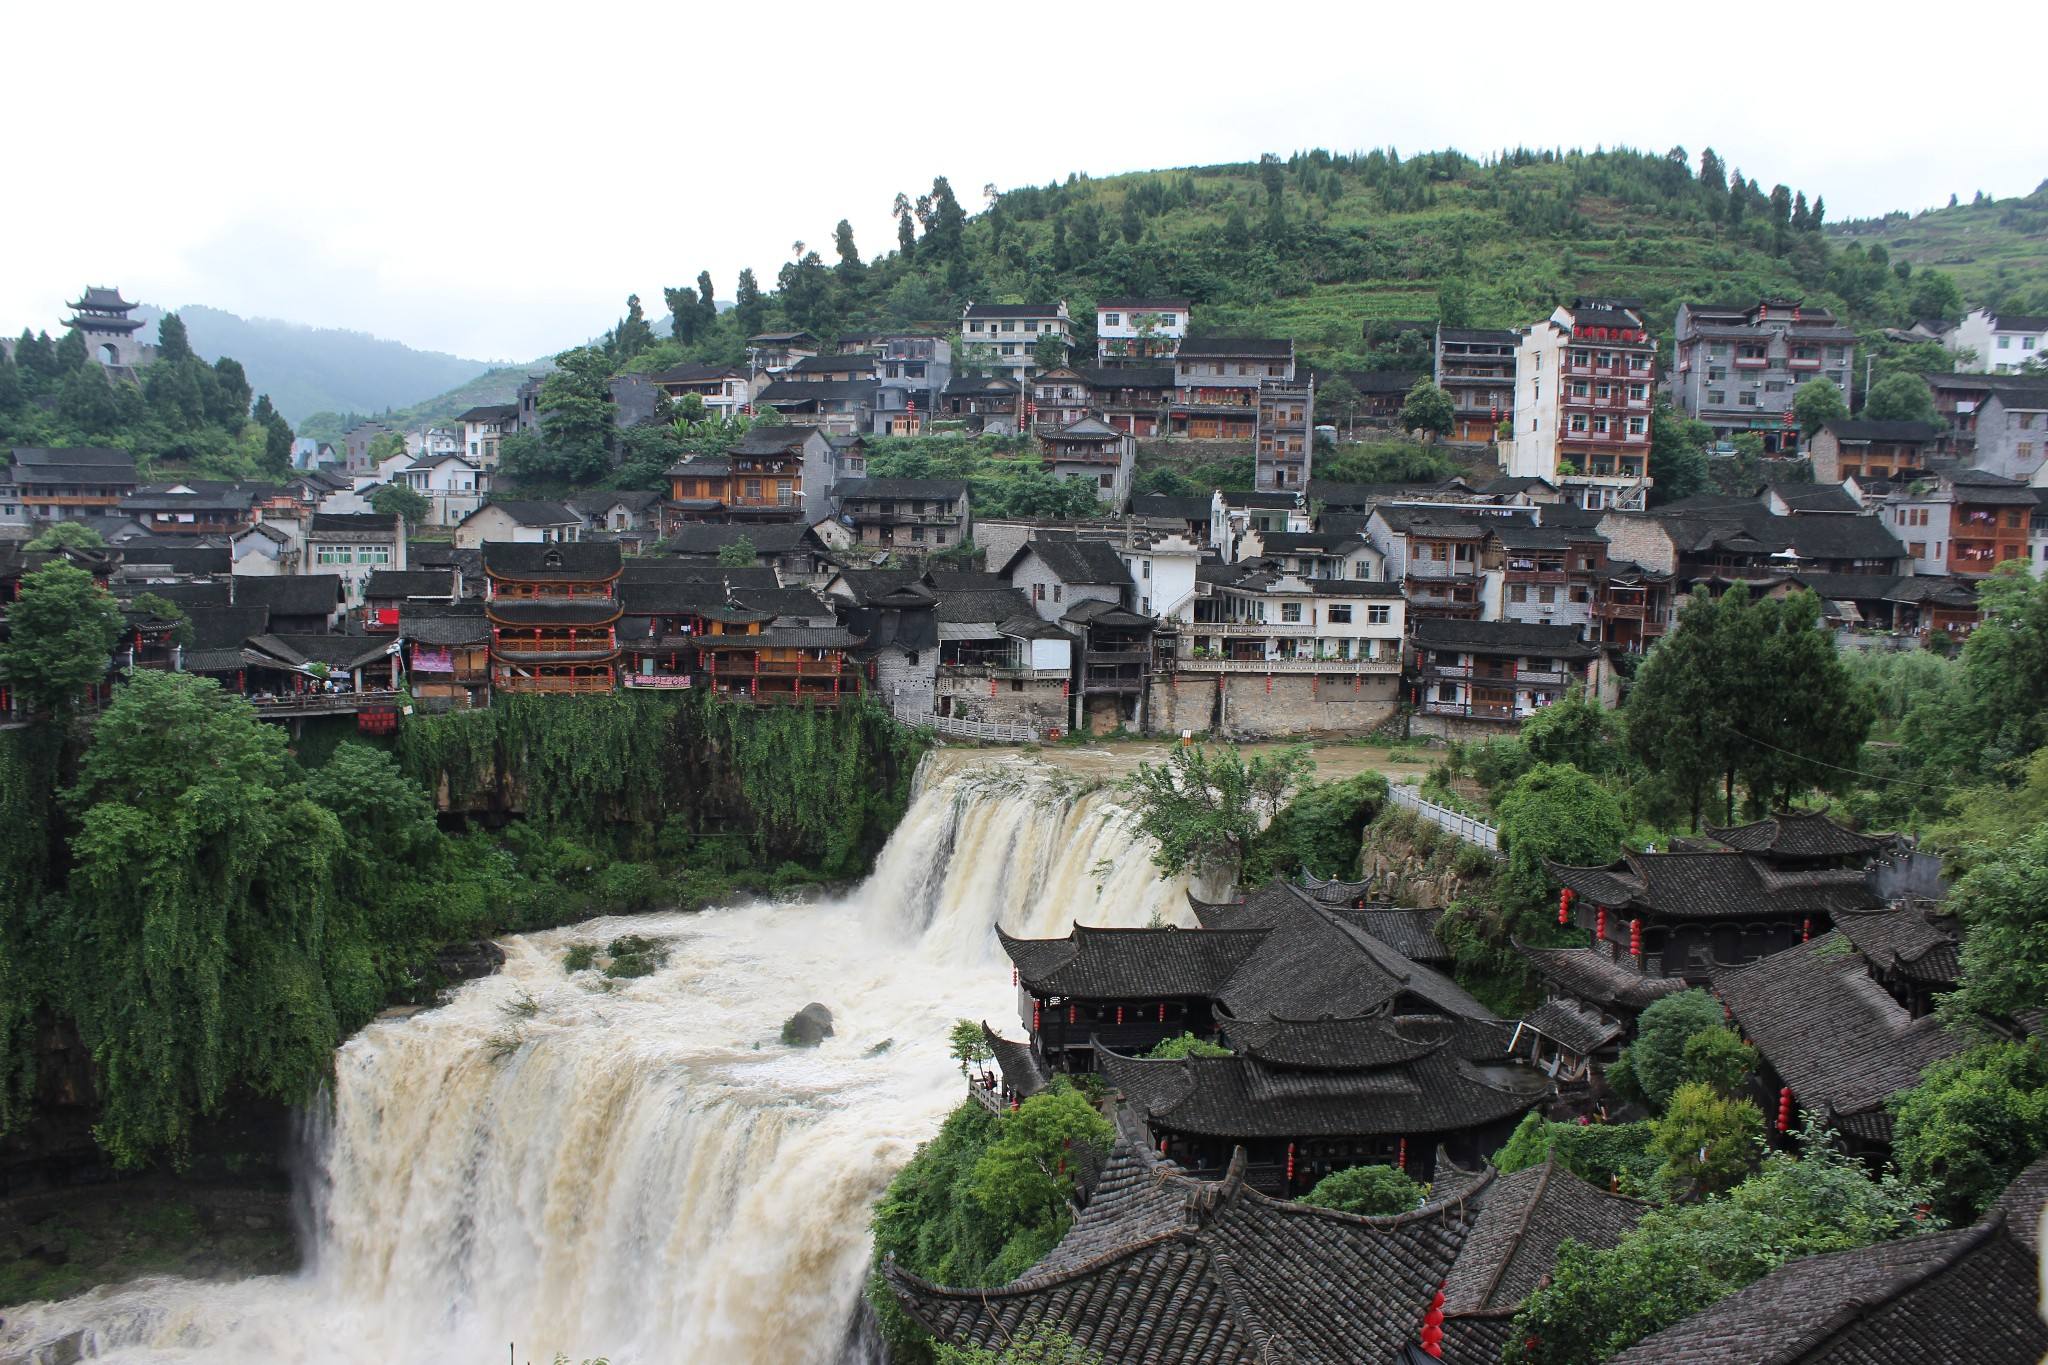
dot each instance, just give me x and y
(553, 610)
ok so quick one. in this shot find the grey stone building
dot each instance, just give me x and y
(1737, 367)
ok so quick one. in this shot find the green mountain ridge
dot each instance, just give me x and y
(309, 369)
(1996, 249)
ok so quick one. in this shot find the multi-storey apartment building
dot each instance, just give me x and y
(1140, 331)
(2001, 343)
(1583, 380)
(724, 390)
(1966, 523)
(1247, 389)
(1005, 336)
(484, 429)
(1476, 367)
(1738, 368)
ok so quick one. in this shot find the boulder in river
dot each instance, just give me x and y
(808, 1027)
(468, 961)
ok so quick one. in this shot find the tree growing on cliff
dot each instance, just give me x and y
(1203, 807)
(61, 635)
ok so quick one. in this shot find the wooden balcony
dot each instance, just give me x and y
(509, 681)
(320, 703)
(1387, 664)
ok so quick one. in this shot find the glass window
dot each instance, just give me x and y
(1290, 611)
(1378, 615)
(1340, 613)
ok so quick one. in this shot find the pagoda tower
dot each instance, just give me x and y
(102, 315)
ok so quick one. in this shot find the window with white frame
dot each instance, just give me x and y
(1378, 614)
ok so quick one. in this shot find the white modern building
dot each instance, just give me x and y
(1140, 331)
(1583, 393)
(2001, 344)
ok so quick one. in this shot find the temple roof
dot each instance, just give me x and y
(1705, 885)
(1524, 1218)
(1909, 939)
(1329, 1044)
(1572, 1026)
(1161, 1267)
(1931, 1300)
(1800, 834)
(1109, 963)
(510, 611)
(1832, 1033)
(1022, 1071)
(99, 297)
(1239, 1098)
(1589, 974)
(577, 561)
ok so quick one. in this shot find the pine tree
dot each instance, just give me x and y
(747, 304)
(632, 335)
(682, 313)
(707, 303)
(850, 263)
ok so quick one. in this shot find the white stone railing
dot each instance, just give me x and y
(996, 732)
(1472, 831)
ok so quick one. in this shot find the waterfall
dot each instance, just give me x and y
(639, 1168)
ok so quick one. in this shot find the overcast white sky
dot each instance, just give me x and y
(493, 180)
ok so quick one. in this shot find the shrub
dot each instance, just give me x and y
(1610, 1155)
(581, 958)
(1708, 1141)
(1657, 1056)
(1717, 1057)
(1366, 1189)
(1187, 1045)
(1972, 1124)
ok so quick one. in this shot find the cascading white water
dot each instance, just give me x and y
(639, 1168)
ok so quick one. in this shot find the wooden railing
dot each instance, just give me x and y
(991, 731)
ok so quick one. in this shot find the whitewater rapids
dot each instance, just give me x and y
(640, 1169)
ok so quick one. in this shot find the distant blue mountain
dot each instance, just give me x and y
(321, 369)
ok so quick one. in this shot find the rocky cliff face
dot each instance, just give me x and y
(1412, 862)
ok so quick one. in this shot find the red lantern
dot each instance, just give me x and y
(1162, 1011)
(1035, 1007)
(1290, 1163)
(1401, 1154)
(1564, 906)
(1600, 924)
(1013, 976)
(1119, 1014)
(1432, 1334)
(1785, 1110)
(1805, 930)
(1070, 1014)
(1635, 938)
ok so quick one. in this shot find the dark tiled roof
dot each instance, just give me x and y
(1272, 348)
(1967, 1295)
(1800, 834)
(966, 385)
(1129, 377)
(1164, 505)
(1829, 1030)
(948, 490)
(1093, 563)
(697, 373)
(768, 537)
(2022, 1204)
(1022, 1071)
(772, 440)
(291, 594)
(215, 628)
(1907, 939)
(783, 601)
(354, 523)
(1013, 310)
(1382, 381)
(1164, 1268)
(1490, 335)
(579, 561)
(1524, 1218)
(490, 412)
(1572, 1026)
(1111, 963)
(1484, 637)
(1716, 885)
(1241, 1098)
(1411, 933)
(217, 594)
(1589, 974)
(582, 612)
(409, 583)
(184, 559)
(798, 391)
(531, 512)
(462, 624)
(981, 606)
(1816, 497)
(1869, 430)
(1328, 1044)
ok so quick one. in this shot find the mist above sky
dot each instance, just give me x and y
(493, 180)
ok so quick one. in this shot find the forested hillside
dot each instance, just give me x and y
(492, 386)
(1314, 245)
(1996, 249)
(310, 369)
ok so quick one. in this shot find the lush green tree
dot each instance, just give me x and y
(1708, 1141)
(1336, 396)
(1680, 1260)
(1574, 729)
(1049, 352)
(738, 554)
(1237, 234)
(1610, 1155)
(685, 318)
(1454, 302)
(1027, 1174)
(1203, 807)
(1817, 403)
(1187, 1045)
(397, 499)
(748, 305)
(61, 635)
(1972, 1124)
(1370, 1190)
(66, 535)
(277, 435)
(384, 447)
(173, 343)
(1318, 830)
(199, 893)
(1558, 813)
(1717, 1057)
(576, 414)
(1900, 398)
(969, 1045)
(2003, 904)
(1656, 1059)
(1427, 408)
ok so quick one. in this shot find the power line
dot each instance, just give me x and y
(1853, 772)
